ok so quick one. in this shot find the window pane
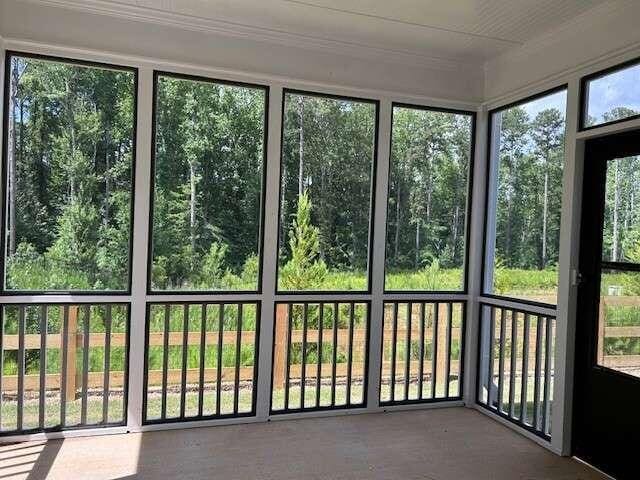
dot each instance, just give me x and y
(427, 202)
(613, 97)
(619, 322)
(69, 168)
(525, 196)
(327, 161)
(621, 236)
(209, 151)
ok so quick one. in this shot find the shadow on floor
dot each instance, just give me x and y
(28, 461)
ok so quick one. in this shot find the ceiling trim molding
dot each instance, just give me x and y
(259, 34)
(609, 59)
(234, 75)
(584, 22)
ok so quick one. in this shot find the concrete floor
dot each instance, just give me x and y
(439, 444)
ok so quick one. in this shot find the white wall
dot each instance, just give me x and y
(361, 69)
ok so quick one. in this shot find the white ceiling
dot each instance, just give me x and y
(457, 30)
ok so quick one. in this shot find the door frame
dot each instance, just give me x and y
(597, 152)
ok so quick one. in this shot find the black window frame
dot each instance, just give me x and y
(469, 193)
(154, 110)
(483, 270)
(584, 94)
(9, 54)
(372, 194)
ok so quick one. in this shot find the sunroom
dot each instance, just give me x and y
(356, 239)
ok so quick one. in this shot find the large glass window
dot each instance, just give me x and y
(611, 96)
(328, 154)
(427, 204)
(525, 196)
(68, 162)
(208, 170)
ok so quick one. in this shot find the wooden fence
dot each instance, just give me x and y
(95, 379)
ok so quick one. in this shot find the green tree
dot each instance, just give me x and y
(304, 270)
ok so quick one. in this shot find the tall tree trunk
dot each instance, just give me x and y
(509, 233)
(545, 214)
(456, 220)
(13, 90)
(416, 260)
(72, 137)
(396, 240)
(616, 203)
(192, 204)
(301, 146)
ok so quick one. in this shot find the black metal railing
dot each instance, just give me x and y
(63, 366)
(422, 347)
(515, 368)
(320, 356)
(200, 360)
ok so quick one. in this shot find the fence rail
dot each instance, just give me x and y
(320, 353)
(629, 363)
(200, 360)
(70, 369)
(421, 351)
(515, 372)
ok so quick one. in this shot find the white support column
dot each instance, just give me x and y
(474, 250)
(270, 252)
(567, 289)
(378, 254)
(140, 242)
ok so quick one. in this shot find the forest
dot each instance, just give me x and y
(69, 176)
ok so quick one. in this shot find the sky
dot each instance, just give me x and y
(619, 89)
(556, 100)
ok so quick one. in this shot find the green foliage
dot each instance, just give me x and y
(212, 268)
(72, 153)
(304, 270)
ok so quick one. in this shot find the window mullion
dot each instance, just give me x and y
(140, 248)
(378, 254)
(270, 251)
(474, 250)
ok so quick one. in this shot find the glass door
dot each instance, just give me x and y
(607, 393)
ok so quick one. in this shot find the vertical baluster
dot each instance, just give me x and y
(512, 366)
(448, 357)
(525, 369)
(288, 372)
(203, 340)
(421, 353)
(85, 362)
(492, 315)
(107, 365)
(335, 354)
(21, 333)
(236, 386)
(320, 346)
(394, 339)
(407, 356)
(503, 329)
(43, 365)
(303, 369)
(185, 359)
(350, 358)
(165, 360)
(63, 371)
(536, 381)
(548, 350)
(434, 350)
(219, 358)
